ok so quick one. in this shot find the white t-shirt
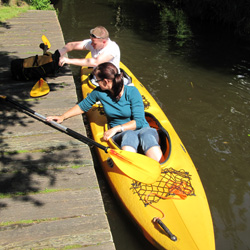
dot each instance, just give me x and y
(111, 49)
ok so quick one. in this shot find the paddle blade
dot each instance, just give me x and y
(46, 41)
(137, 166)
(41, 88)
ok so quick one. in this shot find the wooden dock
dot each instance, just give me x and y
(49, 194)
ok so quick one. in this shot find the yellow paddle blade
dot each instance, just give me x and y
(41, 88)
(46, 41)
(137, 166)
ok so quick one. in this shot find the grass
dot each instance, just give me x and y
(9, 223)
(46, 191)
(10, 11)
(7, 12)
(26, 151)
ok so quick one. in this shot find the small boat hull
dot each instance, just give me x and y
(185, 215)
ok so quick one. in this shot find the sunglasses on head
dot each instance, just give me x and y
(94, 36)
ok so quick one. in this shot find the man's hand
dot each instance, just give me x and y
(63, 60)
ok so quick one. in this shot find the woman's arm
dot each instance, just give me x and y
(138, 115)
(70, 113)
(137, 107)
(131, 125)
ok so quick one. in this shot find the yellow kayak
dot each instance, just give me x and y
(173, 212)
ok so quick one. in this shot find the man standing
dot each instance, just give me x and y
(101, 47)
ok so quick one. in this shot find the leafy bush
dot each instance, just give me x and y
(41, 4)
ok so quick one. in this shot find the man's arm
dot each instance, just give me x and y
(88, 62)
(72, 46)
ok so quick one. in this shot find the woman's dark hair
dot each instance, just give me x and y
(109, 71)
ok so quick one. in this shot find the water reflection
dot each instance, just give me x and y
(201, 79)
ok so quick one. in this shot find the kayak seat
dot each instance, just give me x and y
(164, 143)
(164, 137)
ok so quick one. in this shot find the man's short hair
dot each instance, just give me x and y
(99, 32)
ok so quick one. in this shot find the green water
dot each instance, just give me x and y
(201, 79)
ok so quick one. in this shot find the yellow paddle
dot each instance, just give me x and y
(137, 166)
(46, 41)
(41, 88)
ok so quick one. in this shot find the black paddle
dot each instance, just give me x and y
(137, 166)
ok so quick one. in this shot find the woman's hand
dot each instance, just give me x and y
(111, 132)
(70, 113)
(58, 119)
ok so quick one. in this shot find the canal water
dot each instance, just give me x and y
(201, 79)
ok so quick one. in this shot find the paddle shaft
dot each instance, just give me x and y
(69, 131)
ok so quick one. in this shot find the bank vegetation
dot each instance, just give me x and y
(228, 15)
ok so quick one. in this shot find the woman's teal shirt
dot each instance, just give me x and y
(129, 107)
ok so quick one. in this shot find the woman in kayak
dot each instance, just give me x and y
(123, 106)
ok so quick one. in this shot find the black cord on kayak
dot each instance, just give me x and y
(163, 226)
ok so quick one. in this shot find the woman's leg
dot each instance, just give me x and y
(149, 140)
(155, 153)
(129, 148)
(148, 137)
(128, 140)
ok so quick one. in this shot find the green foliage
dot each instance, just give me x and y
(228, 14)
(176, 21)
(41, 4)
